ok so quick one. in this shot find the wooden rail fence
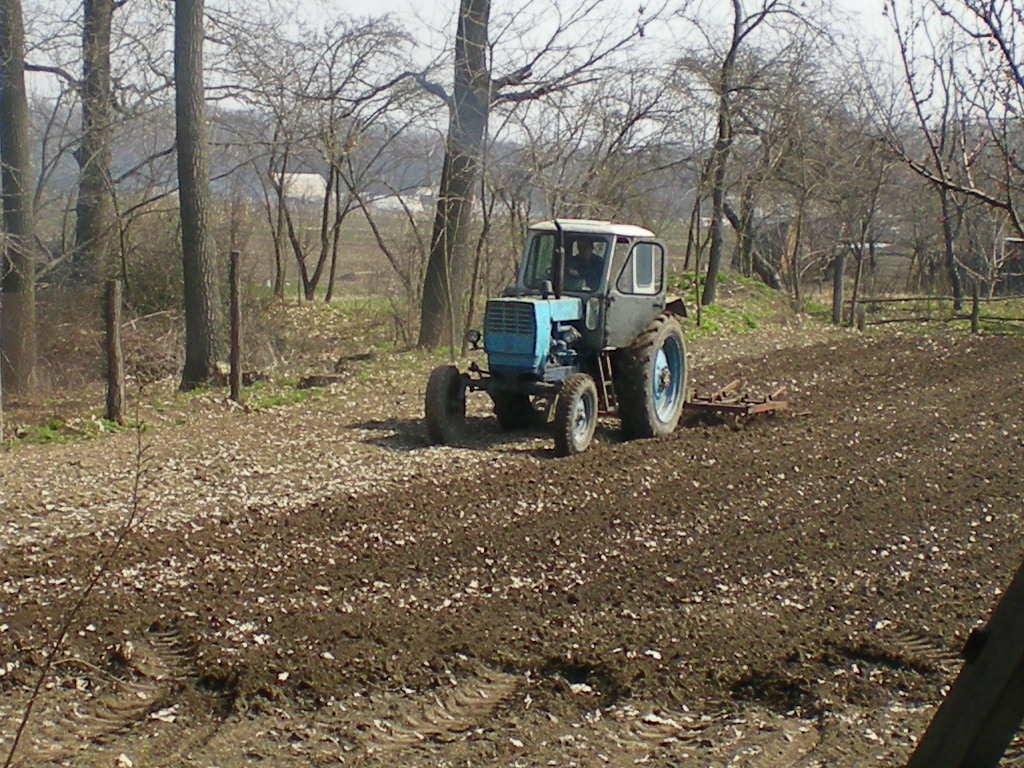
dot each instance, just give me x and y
(859, 315)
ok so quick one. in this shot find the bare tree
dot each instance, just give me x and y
(18, 329)
(202, 331)
(962, 74)
(105, 106)
(328, 101)
(469, 108)
(939, 130)
(745, 22)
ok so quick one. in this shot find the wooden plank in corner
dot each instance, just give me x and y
(985, 706)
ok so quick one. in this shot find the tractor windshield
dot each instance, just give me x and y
(585, 257)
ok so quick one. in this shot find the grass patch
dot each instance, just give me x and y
(743, 304)
(818, 309)
(261, 397)
(58, 430)
(722, 319)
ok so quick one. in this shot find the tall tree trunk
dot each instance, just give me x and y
(339, 217)
(445, 279)
(279, 266)
(717, 204)
(723, 144)
(198, 258)
(94, 210)
(949, 251)
(18, 319)
(325, 235)
(278, 223)
(797, 266)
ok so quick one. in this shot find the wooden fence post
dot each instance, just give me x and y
(1, 374)
(1, 384)
(236, 328)
(838, 276)
(975, 310)
(115, 356)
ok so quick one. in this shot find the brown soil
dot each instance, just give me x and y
(792, 592)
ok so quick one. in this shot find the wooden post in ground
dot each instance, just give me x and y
(984, 708)
(975, 310)
(860, 317)
(115, 356)
(1, 373)
(838, 275)
(236, 328)
(1, 382)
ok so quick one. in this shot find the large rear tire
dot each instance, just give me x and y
(445, 405)
(575, 415)
(514, 410)
(650, 380)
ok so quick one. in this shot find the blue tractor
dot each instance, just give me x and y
(585, 330)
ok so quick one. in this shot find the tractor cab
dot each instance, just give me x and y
(617, 271)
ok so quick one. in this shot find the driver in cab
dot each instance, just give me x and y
(584, 268)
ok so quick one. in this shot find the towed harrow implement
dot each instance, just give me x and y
(733, 400)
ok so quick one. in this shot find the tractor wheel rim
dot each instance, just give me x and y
(581, 417)
(667, 379)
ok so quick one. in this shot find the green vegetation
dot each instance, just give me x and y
(818, 309)
(59, 430)
(262, 395)
(744, 304)
(723, 319)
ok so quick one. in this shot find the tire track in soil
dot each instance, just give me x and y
(374, 729)
(904, 649)
(158, 666)
(634, 733)
(620, 735)
(439, 716)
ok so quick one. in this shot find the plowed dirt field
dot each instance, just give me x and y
(790, 593)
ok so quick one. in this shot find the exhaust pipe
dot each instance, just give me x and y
(558, 265)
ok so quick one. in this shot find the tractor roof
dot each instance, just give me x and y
(595, 226)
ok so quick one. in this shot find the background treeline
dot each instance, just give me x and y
(142, 141)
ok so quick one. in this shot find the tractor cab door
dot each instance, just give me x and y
(636, 289)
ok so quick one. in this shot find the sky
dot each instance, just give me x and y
(865, 15)
(431, 22)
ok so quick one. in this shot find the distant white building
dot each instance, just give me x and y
(304, 186)
(418, 200)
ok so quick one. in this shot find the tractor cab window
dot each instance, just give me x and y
(585, 257)
(643, 271)
(539, 262)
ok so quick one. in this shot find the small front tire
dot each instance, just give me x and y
(445, 405)
(575, 415)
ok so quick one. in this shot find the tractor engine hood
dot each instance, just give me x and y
(517, 331)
